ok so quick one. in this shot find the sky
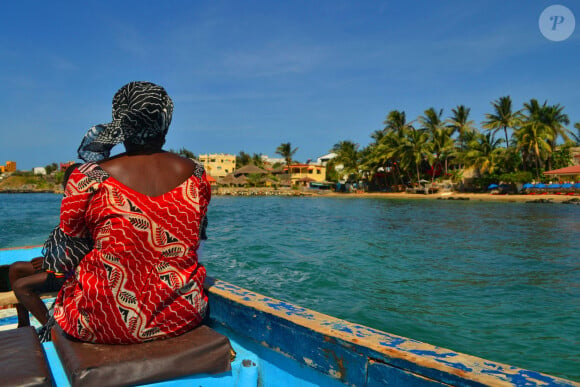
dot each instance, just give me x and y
(251, 75)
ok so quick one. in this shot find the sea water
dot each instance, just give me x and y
(495, 280)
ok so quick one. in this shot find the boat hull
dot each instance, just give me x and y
(279, 343)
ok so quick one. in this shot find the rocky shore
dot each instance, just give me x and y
(17, 183)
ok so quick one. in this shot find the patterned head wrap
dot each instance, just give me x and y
(142, 113)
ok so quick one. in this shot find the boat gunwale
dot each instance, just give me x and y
(421, 359)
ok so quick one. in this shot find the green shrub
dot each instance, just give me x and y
(516, 177)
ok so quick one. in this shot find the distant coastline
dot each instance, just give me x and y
(23, 191)
(522, 198)
(27, 183)
(7, 187)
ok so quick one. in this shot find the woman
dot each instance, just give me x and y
(145, 211)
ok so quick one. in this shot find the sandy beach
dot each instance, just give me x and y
(459, 196)
(238, 191)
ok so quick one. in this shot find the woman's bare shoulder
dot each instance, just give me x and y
(179, 164)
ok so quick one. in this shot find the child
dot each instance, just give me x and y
(29, 279)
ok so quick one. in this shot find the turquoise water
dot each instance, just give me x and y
(496, 280)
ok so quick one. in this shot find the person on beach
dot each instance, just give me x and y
(145, 211)
(30, 279)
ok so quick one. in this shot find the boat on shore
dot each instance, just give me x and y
(281, 344)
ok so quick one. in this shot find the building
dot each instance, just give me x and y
(39, 170)
(323, 160)
(272, 160)
(2, 169)
(10, 166)
(218, 164)
(302, 174)
(64, 166)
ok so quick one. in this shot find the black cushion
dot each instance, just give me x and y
(22, 359)
(201, 350)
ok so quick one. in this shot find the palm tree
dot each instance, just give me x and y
(413, 147)
(440, 136)
(503, 118)
(460, 123)
(576, 136)
(554, 119)
(285, 150)
(257, 160)
(377, 135)
(242, 159)
(534, 136)
(347, 154)
(432, 120)
(381, 153)
(443, 146)
(483, 152)
(532, 142)
(396, 121)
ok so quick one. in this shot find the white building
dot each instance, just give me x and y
(272, 160)
(323, 160)
(39, 171)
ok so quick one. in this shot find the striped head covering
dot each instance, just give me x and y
(142, 113)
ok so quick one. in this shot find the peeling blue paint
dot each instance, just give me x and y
(346, 350)
(433, 353)
(290, 309)
(393, 343)
(459, 366)
(342, 327)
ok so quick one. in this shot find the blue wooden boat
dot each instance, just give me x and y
(281, 344)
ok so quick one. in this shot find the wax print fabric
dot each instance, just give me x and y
(142, 279)
(141, 111)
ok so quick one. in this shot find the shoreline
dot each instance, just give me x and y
(487, 197)
(481, 197)
(518, 198)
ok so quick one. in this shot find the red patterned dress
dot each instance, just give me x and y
(141, 280)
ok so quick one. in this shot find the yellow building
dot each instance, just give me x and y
(11, 166)
(302, 174)
(2, 169)
(218, 164)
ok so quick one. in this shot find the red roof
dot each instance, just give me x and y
(210, 179)
(573, 170)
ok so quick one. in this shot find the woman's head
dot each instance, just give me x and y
(142, 113)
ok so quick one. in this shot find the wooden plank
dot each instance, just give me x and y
(9, 298)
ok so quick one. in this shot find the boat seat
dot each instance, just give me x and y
(22, 359)
(199, 351)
